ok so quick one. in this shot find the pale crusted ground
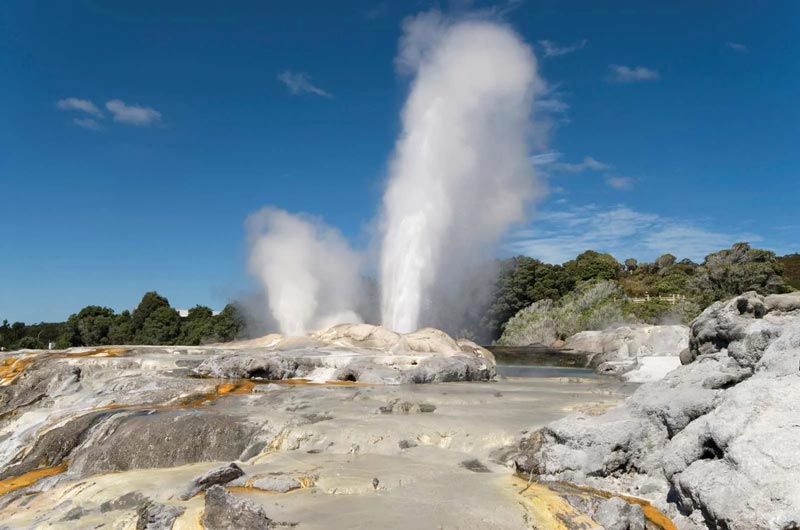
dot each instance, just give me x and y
(419, 441)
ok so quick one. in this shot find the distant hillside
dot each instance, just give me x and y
(791, 268)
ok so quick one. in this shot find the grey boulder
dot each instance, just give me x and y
(217, 476)
(716, 443)
(225, 511)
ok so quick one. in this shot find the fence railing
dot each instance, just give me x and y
(671, 299)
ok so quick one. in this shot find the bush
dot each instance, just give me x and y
(520, 282)
(162, 326)
(29, 343)
(592, 265)
(592, 306)
(791, 269)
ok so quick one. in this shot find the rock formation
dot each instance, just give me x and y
(358, 353)
(149, 436)
(638, 352)
(716, 443)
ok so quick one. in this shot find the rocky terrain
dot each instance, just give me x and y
(716, 443)
(638, 352)
(280, 432)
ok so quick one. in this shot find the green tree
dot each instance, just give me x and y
(665, 261)
(89, 326)
(198, 327)
(17, 331)
(29, 343)
(161, 327)
(791, 269)
(631, 264)
(151, 302)
(5, 335)
(520, 282)
(121, 329)
(229, 325)
(592, 265)
(736, 270)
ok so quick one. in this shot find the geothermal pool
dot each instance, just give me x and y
(336, 456)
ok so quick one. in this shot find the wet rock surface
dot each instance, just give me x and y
(138, 437)
(213, 477)
(225, 511)
(715, 443)
(157, 516)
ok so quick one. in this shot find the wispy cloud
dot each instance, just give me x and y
(133, 114)
(620, 183)
(82, 105)
(549, 112)
(120, 113)
(556, 236)
(545, 159)
(632, 74)
(588, 163)
(552, 49)
(552, 104)
(88, 123)
(737, 47)
(299, 82)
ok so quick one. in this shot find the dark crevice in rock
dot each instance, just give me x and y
(260, 374)
(711, 451)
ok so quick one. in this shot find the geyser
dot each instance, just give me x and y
(310, 274)
(460, 175)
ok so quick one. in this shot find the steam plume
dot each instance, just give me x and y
(460, 175)
(310, 274)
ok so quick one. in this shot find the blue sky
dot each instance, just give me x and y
(138, 135)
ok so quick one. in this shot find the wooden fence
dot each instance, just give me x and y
(671, 299)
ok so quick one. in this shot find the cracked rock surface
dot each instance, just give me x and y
(716, 443)
(271, 433)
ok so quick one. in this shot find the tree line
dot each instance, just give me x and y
(523, 281)
(153, 321)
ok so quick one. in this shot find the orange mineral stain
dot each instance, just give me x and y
(12, 367)
(23, 481)
(651, 513)
(97, 352)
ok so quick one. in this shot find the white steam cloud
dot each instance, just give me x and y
(460, 176)
(461, 173)
(309, 273)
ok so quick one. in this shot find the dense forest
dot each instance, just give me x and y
(631, 292)
(153, 321)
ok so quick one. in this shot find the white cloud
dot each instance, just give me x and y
(83, 105)
(737, 47)
(299, 82)
(587, 163)
(544, 159)
(132, 114)
(88, 123)
(551, 49)
(632, 74)
(620, 183)
(556, 236)
(551, 104)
